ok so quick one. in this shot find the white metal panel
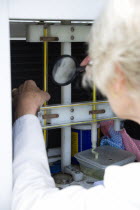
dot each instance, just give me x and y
(76, 114)
(56, 10)
(34, 32)
(65, 33)
(5, 115)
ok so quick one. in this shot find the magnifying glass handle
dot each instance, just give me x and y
(81, 69)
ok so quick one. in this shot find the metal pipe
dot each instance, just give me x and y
(45, 76)
(73, 105)
(76, 123)
(94, 133)
(65, 132)
(94, 100)
(117, 125)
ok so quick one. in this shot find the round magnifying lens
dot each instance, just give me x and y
(64, 70)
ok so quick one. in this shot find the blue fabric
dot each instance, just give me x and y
(115, 139)
(101, 182)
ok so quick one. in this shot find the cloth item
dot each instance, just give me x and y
(101, 182)
(114, 139)
(34, 188)
(130, 144)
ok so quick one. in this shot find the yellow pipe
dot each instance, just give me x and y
(85, 122)
(94, 100)
(45, 76)
(72, 105)
(94, 116)
(94, 107)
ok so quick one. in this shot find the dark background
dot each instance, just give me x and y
(27, 63)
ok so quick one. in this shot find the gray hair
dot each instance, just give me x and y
(115, 39)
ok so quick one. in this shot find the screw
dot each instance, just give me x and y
(72, 37)
(72, 110)
(72, 118)
(72, 29)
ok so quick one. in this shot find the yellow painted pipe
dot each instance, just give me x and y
(85, 122)
(94, 107)
(94, 100)
(94, 115)
(73, 105)
(45, 76)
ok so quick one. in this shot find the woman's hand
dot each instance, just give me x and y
(28, 98)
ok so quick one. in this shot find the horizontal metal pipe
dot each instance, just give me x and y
(72, 105)
(79, 123)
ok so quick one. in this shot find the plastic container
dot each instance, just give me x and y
(81, 139)
(107, 156)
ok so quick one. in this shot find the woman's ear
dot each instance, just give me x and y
(120, 79)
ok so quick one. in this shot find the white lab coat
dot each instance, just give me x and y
(34, 188)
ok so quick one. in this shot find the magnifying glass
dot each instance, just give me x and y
(65, 70)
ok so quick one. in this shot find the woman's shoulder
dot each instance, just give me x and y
(124, 181)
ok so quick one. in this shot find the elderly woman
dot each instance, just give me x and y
(115, 50)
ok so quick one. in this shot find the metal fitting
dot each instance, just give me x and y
(72, 37)
(72, 29)
(72, 118)
(72, 110)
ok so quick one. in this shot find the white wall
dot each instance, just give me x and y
(56, 9)
(5, 115)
